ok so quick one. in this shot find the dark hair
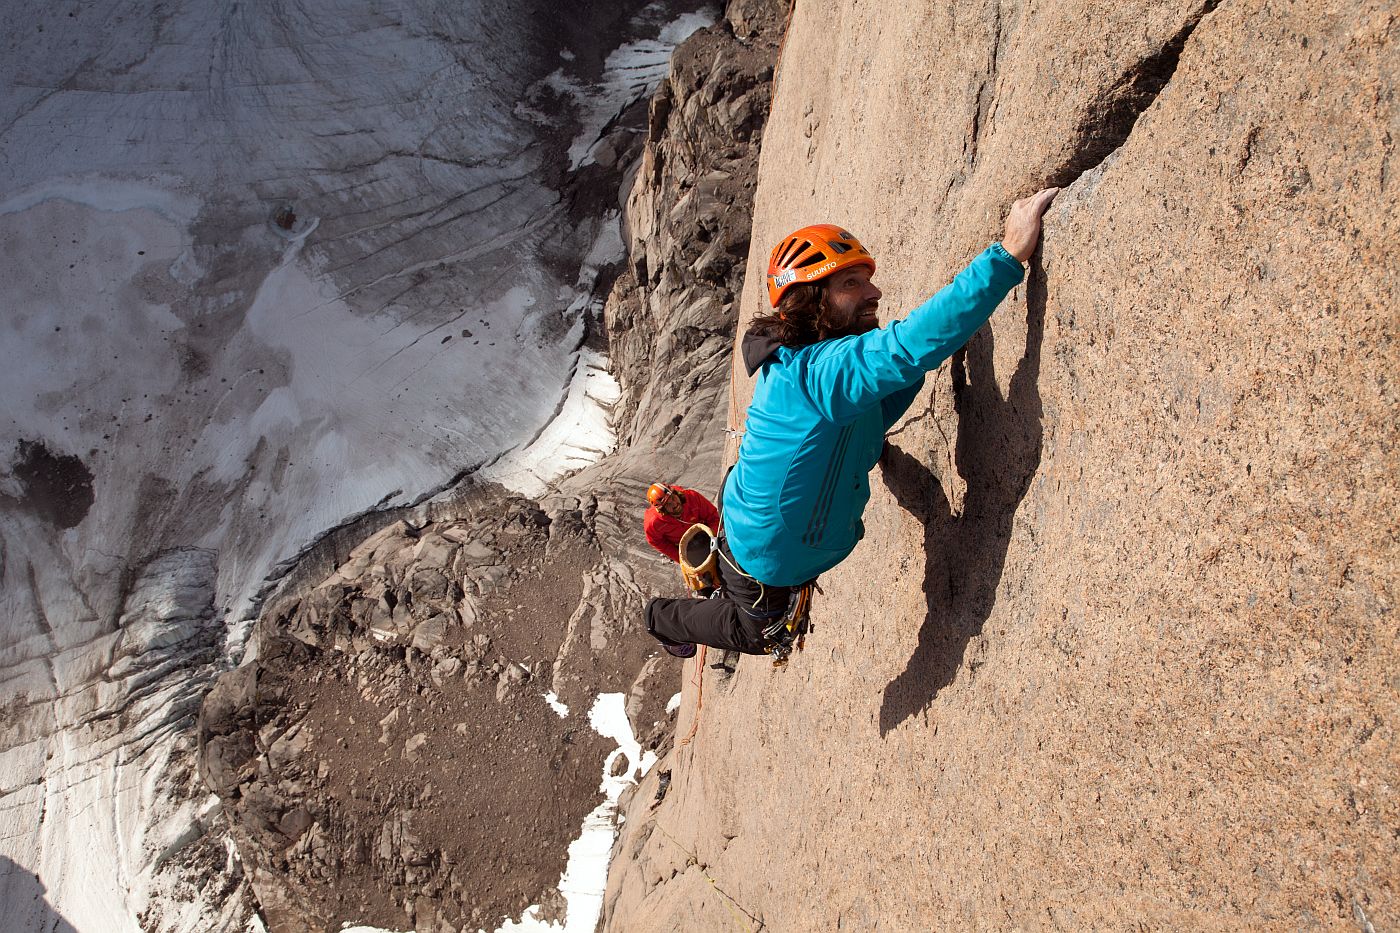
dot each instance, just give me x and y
(802, 318)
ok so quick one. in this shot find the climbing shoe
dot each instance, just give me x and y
(680, 651)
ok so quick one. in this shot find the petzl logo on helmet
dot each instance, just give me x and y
(784, 277)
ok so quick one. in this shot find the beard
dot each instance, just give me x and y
(860, 320)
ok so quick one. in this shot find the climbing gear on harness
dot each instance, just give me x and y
(813, 253)
(698, 548)
(789, 627)
(700, 552)
(790, 631)
(753, 611)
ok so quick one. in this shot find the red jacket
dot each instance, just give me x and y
(664, 532)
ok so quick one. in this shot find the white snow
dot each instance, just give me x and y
(581, 431)
(580, 434)
(89, 779)
(673, 704)
(552, 699)
(314, 410)
(631, 72)
(160, 196)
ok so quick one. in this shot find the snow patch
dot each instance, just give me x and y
(673, 704)
(632, 71)
(552, 699)
(586, 876)
(578, 435)
(110, 195)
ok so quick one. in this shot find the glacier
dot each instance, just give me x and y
(268, 266)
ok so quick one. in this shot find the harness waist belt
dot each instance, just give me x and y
(730, 564)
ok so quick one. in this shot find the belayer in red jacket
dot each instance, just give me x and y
(673, 509)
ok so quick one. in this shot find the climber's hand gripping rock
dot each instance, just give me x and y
(1023, 223)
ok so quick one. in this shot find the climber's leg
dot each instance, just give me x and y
(715, 622)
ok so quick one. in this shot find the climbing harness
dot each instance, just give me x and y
(788, 631)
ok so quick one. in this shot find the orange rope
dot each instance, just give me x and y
(699, 680)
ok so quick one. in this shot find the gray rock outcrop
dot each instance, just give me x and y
(391, 756)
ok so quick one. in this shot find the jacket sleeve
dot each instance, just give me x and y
(846, 377)
(657, 538)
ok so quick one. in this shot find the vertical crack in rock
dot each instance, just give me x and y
(1111, 122)
(987, 88)
(40, 616)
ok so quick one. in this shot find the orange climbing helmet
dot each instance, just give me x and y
(658, 491)
(810, 254)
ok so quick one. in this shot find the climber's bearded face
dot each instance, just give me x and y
(671, 505)
(852, 302)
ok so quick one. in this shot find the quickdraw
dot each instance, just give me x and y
(789, 633)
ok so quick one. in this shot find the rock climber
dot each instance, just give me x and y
(671, 511)
(831, 382)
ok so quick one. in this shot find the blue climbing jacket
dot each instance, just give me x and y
(793, 502)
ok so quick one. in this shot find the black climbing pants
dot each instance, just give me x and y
(734, 621)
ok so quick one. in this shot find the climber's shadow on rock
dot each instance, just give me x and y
(998, 451)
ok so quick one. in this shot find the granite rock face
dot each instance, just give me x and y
(1120, 644)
